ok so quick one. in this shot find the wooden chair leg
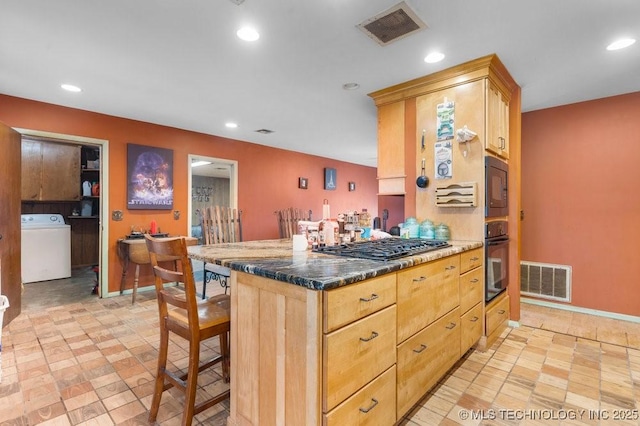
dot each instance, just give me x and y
(224, 351)
(162, 365)
(192, 383)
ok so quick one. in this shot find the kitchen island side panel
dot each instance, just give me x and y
(275, 352)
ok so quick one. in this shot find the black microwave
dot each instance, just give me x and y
(496, 194)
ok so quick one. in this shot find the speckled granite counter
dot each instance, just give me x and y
(275, 259)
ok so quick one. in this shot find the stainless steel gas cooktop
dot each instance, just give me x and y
(384, 249)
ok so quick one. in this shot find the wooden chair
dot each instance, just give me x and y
(219, 225)
(193, 320)
(288, 220)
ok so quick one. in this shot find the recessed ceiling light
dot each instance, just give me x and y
(71, 88)
(434, 57)
(248, 34)
(621, 44)
(231, 125)
(350, 86)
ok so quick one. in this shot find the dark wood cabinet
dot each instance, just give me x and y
(50, 171)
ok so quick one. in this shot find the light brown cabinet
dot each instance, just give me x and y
(363, 354)
(50, 171)
(497, 317)
(497, 140)
(391, 153)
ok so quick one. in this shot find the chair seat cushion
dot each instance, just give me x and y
(211, 312)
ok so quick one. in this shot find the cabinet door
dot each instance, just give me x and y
(425, 293)
(357, 353)
(497, 122)
(425, 358)
(60, 172)
(391, 170)
(31, 170)
(471, 328)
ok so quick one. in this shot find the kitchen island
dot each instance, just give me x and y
(320, 339)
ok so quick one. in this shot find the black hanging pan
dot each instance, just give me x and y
(422, 181)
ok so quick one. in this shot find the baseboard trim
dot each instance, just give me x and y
(605, 314)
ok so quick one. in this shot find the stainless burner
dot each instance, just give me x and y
(384, 249)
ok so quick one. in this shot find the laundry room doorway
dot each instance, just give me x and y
(65, 176)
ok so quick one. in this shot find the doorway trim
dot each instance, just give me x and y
(233, 181)
(103, 225)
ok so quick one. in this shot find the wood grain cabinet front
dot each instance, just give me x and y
(50, 171)
(425, 293)
(350, 303)
(424, 358)
(374, 404)
(497, 316)
(357, 353)
(471, 328)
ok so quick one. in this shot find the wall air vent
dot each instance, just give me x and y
(264, 131)
(545, 280)
(392, 24)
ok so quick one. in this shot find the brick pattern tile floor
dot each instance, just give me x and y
(93, 363)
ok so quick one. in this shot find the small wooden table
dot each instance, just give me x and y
(135, 251)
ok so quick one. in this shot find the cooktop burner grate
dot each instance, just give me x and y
(384, 249)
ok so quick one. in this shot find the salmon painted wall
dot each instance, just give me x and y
(267, 177)
(580, 180)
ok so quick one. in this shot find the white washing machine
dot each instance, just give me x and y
(46, 247)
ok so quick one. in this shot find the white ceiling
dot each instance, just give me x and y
(180, 64)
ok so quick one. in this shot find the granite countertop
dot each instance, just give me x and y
(275, 259)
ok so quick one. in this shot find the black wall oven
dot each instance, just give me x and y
(496, 259)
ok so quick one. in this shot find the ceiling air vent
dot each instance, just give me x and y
(264, 131)
(392, 24)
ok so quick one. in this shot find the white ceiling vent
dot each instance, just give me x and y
(393, 24)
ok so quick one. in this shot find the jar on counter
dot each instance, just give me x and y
(442, 232)
(427, 230)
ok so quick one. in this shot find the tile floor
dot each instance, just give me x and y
(92, 363)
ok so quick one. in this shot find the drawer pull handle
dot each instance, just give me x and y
(415, 280)
(451, 326)
(373, 297)
(475, 280)
(501, 311)
(369, 408)
(474, 319)
(448, 268)
(422, 348)
(475, 259)
(373, 336)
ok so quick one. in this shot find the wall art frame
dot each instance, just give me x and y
(149, 178)
(330, 179)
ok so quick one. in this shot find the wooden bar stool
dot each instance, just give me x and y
(192, 319)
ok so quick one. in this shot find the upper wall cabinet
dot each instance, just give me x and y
(497, 140)
(391, 153)
(50, 171)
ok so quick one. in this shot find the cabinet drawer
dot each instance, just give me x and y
(350, 303)
(375, 404)
(471, 289)
(497, 314)
(471, 259)
(471, 328)
(425, 358)
(425, 293)
(356, 353)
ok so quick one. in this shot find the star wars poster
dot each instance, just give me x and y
(149, 178)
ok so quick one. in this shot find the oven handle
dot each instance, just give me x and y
(497, 241)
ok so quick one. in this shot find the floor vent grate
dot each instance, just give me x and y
(545, 280)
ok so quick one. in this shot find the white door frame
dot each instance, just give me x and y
(103, 225)
(233, 181)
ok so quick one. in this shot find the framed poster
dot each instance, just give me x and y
(149, 178)
(330, 178)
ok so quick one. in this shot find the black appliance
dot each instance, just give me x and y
(384, 249)
(496, 179)
(496, 258)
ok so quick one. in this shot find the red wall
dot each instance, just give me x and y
(267, 177)
(581, 198)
